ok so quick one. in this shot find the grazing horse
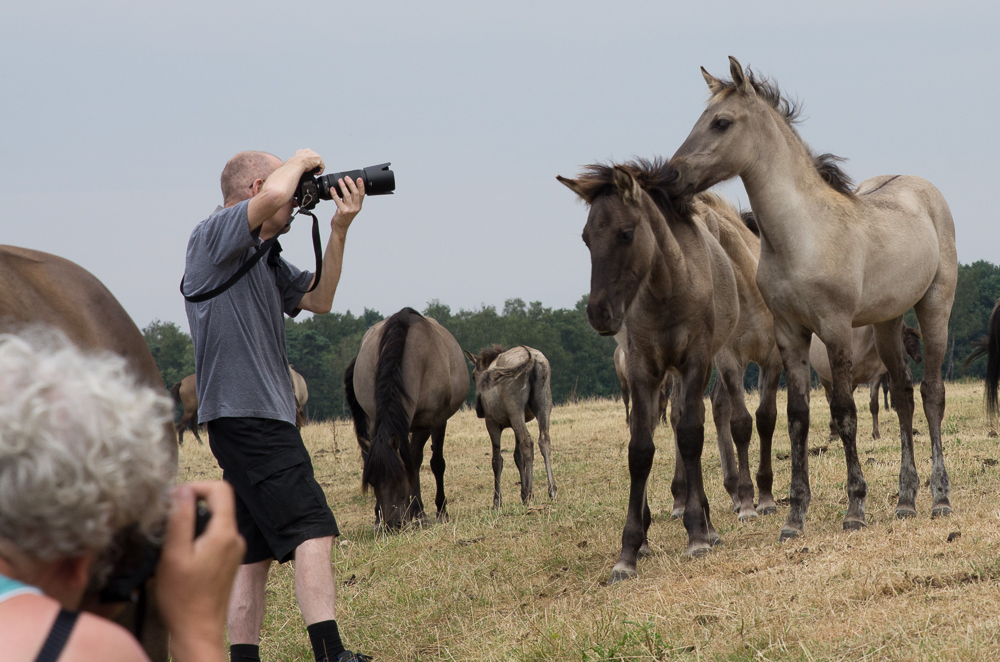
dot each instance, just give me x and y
(409, 377)
(513, 387)
(660, 273)
(39, 289)
(989, 346)
(833, 258)
(866, 367)
(186, 395)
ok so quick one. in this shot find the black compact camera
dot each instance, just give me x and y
(378, 179)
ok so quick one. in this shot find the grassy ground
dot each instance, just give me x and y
(530, 583)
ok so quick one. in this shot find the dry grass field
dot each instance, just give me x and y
(530, 583)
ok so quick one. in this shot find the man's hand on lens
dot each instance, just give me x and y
(349, 204)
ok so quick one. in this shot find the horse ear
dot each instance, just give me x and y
(626, 184)
(575, 186)
(469, 355)
(743, 85)
(714, 84)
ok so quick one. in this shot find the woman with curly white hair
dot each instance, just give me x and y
(82, 457)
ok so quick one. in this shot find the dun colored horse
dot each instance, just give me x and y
(619, 358)
(513, 388)
(186, 395)
(658, 271)
(39, 289)
(833, 258)
(409, 377)
(866, 367)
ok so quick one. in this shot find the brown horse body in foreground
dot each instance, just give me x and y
(833, 258)
(661, 274)
(513, 387)
(408, 379)
(39, 289)
(866, 367)
(185, 394)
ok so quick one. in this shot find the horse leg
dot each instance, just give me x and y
(183, 425)
(890, 351)
(678, 486)
(526, 454)
(933, 312)
(495, 430)
(874, 386)
(721, 414)
(418, 439)
(625, 400)
(731, 371)
(767, 417)
(793, 343)
(545, 446)
(845, 413)
(828, 392)
(438, 466)
(640, 460)
(691, 441)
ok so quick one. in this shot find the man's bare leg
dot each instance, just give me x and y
(314, 585)
(246, 605)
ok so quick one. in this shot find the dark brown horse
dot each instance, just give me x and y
(42, 289)
(513, 387)
(408, 379)
(661, 274)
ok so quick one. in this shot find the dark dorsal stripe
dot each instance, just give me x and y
(885, 183)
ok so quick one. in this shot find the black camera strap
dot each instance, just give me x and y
(271, 247)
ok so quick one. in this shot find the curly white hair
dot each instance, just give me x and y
(82, 448)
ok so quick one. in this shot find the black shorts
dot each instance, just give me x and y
(279, 504)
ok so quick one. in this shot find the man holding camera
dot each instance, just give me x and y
(245, 391)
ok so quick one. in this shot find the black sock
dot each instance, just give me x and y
(325, 638)
(244, 653)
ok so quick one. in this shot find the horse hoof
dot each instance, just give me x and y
(644, 551)
(788, 534)
(767, 510)
(714, 540)
(699, 551)
(748, 516)
(621, 575)
(677, 513)
(905, 513)
(853, 525)
(941, 511)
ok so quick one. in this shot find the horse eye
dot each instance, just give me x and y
(626, 237)
(721, 124)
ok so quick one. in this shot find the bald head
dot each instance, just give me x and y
(242, 171)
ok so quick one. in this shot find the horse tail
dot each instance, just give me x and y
(392, 424)
(539, 383)
(175, 393)
(993, 361)
(357, 413)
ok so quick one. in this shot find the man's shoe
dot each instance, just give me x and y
(348, 656)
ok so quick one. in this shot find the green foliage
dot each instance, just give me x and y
(172, 350)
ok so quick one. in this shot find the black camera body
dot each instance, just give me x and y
(378, 179)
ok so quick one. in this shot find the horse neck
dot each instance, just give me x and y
(786, 192)
(669, 230)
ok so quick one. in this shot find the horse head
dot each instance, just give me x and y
(620, 237)
(911, 342)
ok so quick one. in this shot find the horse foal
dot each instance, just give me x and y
(512, 388)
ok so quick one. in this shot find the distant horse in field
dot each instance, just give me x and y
(832, 258)
(186, 396)
(409, 377)
(619, 358)
(989, 346)
(39, 289)
(866, 367)
(513, 387)
(658, 269)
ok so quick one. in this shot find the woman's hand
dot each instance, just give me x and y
(195, 575)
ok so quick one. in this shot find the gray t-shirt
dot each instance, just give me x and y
(239, 336)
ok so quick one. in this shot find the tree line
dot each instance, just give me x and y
(582, 362)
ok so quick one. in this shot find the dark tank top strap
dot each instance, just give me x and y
(58, 635)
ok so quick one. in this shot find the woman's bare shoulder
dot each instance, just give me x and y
(95, 638)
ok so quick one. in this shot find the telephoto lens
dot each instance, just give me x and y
(378, 179)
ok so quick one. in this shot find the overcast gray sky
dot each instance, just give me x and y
(118, 116)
